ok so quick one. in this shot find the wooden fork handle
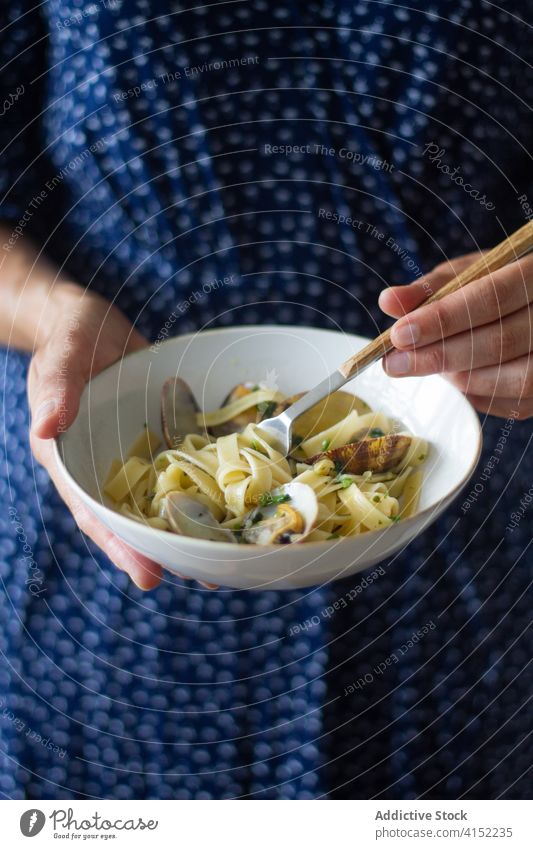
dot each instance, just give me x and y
(511, 248)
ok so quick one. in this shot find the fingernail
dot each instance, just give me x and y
(44, 410)
(399, 362)
(405, 334)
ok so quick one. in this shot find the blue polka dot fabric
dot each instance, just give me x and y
(314, 152)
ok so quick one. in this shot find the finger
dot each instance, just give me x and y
(203, 583)
(145, 573)
(399, 300)
(480, 302)
(512, 380)
(501, 407)
(488, 345)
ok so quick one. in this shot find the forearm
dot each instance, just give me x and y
(29, 284)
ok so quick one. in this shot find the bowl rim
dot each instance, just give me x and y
(229, 546)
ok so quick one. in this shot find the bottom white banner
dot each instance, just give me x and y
(256, 824)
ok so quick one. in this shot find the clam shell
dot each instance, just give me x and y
(178, 411)
(191, 518)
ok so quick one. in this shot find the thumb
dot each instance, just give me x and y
(399, 300)
(55, 383)
(98, 336)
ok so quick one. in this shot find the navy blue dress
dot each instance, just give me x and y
(149, 147)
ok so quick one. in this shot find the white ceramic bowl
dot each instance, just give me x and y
(117, 402)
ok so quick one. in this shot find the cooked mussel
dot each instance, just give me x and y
(178, 411)
(190, 517)
(287, 514)
(374, 455)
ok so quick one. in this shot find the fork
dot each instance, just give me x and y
(279, 428)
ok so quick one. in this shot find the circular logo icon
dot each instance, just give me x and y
(32, 822)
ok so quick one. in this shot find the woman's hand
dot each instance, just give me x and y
(481, 336)
(83, 335)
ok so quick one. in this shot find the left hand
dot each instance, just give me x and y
(480, 337)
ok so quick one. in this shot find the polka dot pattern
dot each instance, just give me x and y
(226, 140)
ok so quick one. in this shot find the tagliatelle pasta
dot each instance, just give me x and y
(343, 478)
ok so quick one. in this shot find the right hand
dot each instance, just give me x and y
(83, 335)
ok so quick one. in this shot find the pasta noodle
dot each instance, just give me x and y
(357, 475)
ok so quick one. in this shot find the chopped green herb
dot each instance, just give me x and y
(345, 481)
(377, 499)
(325, 444)
(396, 518)
(296, 440)
(376, 432)
(255, 388)
(339, 466)
(422, 457)
(267, 498)
(238, 534)
(333, 536)
(266, 408)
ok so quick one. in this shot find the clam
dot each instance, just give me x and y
(178, 411)
(287, 514)
(191, 518)
(374, 455)
(237, 424)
